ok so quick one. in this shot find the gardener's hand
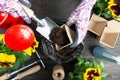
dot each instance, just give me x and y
(14, 8)
(80, 17)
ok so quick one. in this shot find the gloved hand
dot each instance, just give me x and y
(80, 17)
(14, 8)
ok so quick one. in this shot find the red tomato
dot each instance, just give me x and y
(19, 37)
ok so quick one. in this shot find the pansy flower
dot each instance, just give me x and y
(114, 7)
(7, 60)
(92, 74)
(32, 49)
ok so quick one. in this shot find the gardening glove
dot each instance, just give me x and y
(80, 17)
(14, 8)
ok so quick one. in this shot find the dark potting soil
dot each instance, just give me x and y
(66, 51)
(59, 36)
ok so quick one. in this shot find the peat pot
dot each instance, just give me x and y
(50, 50)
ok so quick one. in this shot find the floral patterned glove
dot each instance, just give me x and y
(80, 17)
(14, 8)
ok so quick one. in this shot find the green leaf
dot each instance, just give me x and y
(91, 64)
(21, 57)
(104, 75)
(16, 65)
(3, 69)
(102, 6)
(80, 60)
(71, 75)
(78, 77)
(107, 14)
(99, 0)
(101, 65)
(82, 65)
(87, 64)
(79, 68)
(106, 1)
(20, 60)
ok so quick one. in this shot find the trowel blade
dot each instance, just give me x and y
(46, 27)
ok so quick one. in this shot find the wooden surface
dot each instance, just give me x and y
(61, 9)
(112, 69)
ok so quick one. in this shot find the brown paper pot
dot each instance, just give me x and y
(49, 49)
(109, 38)
(114, 26)
(70, 35)
(97, 24)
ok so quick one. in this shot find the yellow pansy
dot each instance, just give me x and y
(7, 60)
(114, 7)
(28, 51)
(92, 74)
(32, 49)
(111, 2)
(2, 37)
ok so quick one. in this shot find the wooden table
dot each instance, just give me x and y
(112, 69)
(61, 9)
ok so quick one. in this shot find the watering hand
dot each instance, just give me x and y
(80, 17)
(14, 8)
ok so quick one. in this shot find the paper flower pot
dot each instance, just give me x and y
(97, 24)
(110, 34)
(49, 49)
(56, 53)
(70, 34)
(109, 38)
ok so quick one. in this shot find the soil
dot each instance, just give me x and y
(66, 51)
(59, 36)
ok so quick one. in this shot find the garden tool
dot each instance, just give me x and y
(80, 17)
(40, 59)
(22, 74)
(106, 54)
(23, 68)
(27, 72)
(26, 3)
(44, 26)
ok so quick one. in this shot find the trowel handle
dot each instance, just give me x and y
(4, 77)
(29, 11)
(105, 54)
(31, 14)
(27, 72)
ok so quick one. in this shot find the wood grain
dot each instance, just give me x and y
(61, 9)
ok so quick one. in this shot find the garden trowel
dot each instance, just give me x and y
(44, 26)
